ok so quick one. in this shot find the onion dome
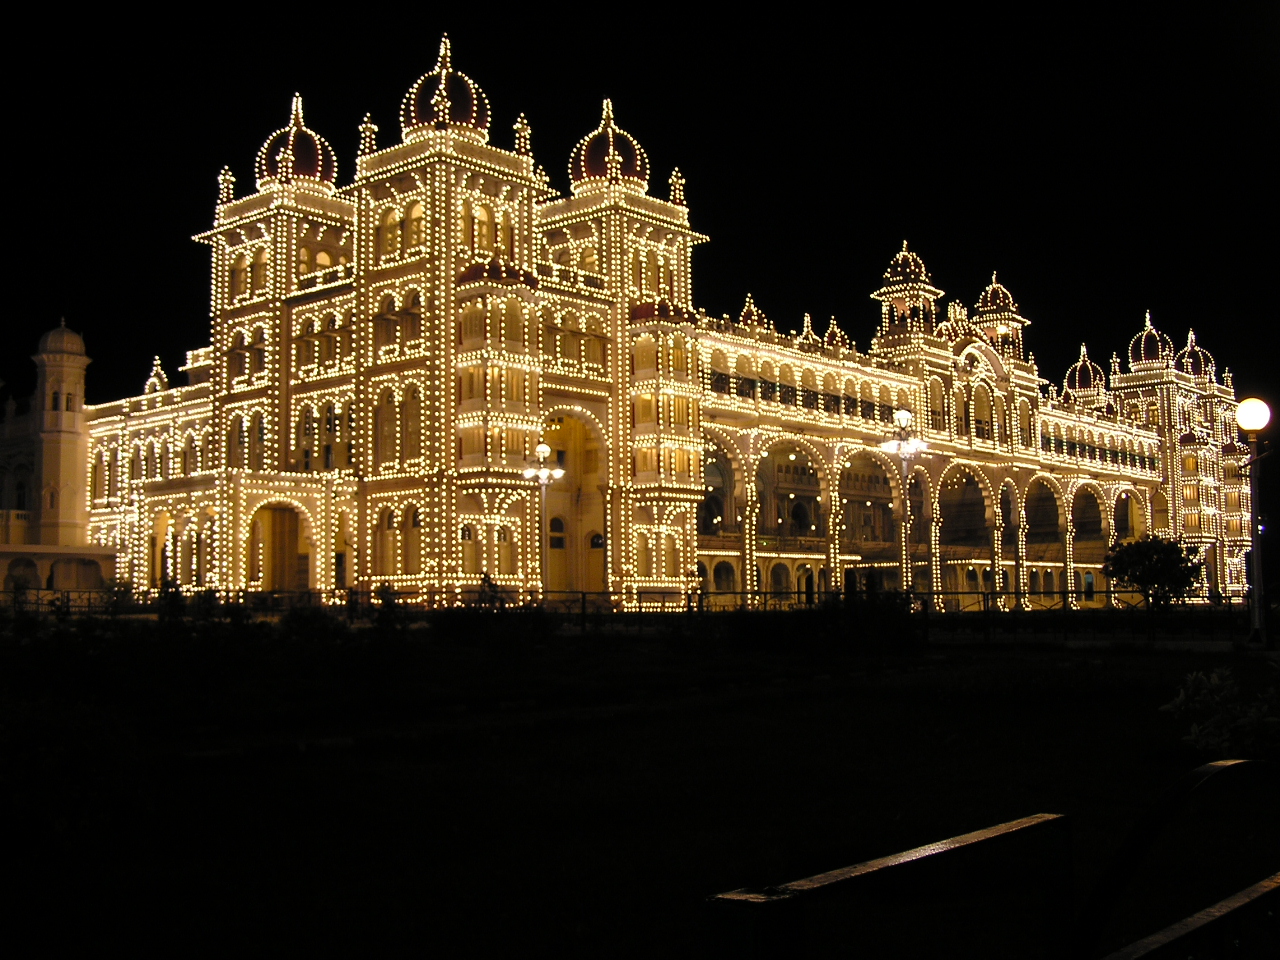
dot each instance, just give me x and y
(1084, 374)
(1150, 346)
(906, 267)
(61, 340)
(444, 98)
(996, 298)
(296, 153)
(1194, 359)
(608, 154)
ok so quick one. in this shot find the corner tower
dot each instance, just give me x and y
(63, 447)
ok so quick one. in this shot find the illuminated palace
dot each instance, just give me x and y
(385, 357)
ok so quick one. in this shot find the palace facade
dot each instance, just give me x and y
(385, 356)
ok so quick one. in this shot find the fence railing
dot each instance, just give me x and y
(357, 603)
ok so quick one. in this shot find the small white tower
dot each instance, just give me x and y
(63, 444)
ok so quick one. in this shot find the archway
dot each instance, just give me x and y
(965, 537)
(790, 487)
(23, 575)
(1128, 523)
(279, 550)
(1043, 518)
(576, 503)
(1090, 544)
(726, 579)
(866, 497)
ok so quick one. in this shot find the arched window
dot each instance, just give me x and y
(56, 403)
(557, 533)
(589, 260)
(258, 276)
(652, 278)
(324, 260)
(389, 235)
(411, 425)
(470, 562)
(481, 227)
(513, 323)
(384, 426)
(69, 403)
(304, 261)
(679, 356)
(239, 276)
(506, 236)
(416, 234)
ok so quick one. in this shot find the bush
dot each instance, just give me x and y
(1227, 720)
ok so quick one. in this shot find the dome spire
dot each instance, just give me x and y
(607, 156)
(296, 117)
(444, 97)
(444, 62)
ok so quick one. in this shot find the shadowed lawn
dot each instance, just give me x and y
(301, 787)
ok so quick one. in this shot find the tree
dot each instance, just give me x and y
(1161, 570)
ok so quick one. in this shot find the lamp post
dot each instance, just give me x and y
(907, 446)
(545, 476)
(1252, 415)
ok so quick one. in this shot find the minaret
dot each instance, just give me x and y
(63, 447)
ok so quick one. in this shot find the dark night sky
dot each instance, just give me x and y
(1103, 168)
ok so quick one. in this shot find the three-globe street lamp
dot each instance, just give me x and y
(906, 446)
(1252, 415)
(545, 476)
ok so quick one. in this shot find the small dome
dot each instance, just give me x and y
(996, 298)
(1084, 374)
(442, 97)
(906, 267)
(310, 156)
(1194, 359)
(1150, 346)
(61, 340)
(608, 154)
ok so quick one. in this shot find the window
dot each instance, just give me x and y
(258, 275)
(416, 232)
(557, 533)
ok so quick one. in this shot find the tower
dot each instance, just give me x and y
(62, 458)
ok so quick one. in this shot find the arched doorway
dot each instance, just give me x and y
(575, 509)
(965, 538)
(279, 550)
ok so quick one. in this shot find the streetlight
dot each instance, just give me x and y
(545, 476)
(1252, 415)
(907, 446)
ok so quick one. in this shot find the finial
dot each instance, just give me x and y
(1084, 351)
(522, 135)
(440, 102)
(1191, 338)
(444, 63)
(1147, 326)
(677, 187)
(607, 118)
(904, 246)
(993, 278)
(297, 110)
(368, 136)
(63, 323)
(226, 185)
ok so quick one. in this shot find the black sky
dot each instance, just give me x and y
(1105, 166)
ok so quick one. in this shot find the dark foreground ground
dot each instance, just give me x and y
(298, 788)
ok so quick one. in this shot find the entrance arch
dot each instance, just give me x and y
(965, 536)
(575, 523)
(279, 549)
